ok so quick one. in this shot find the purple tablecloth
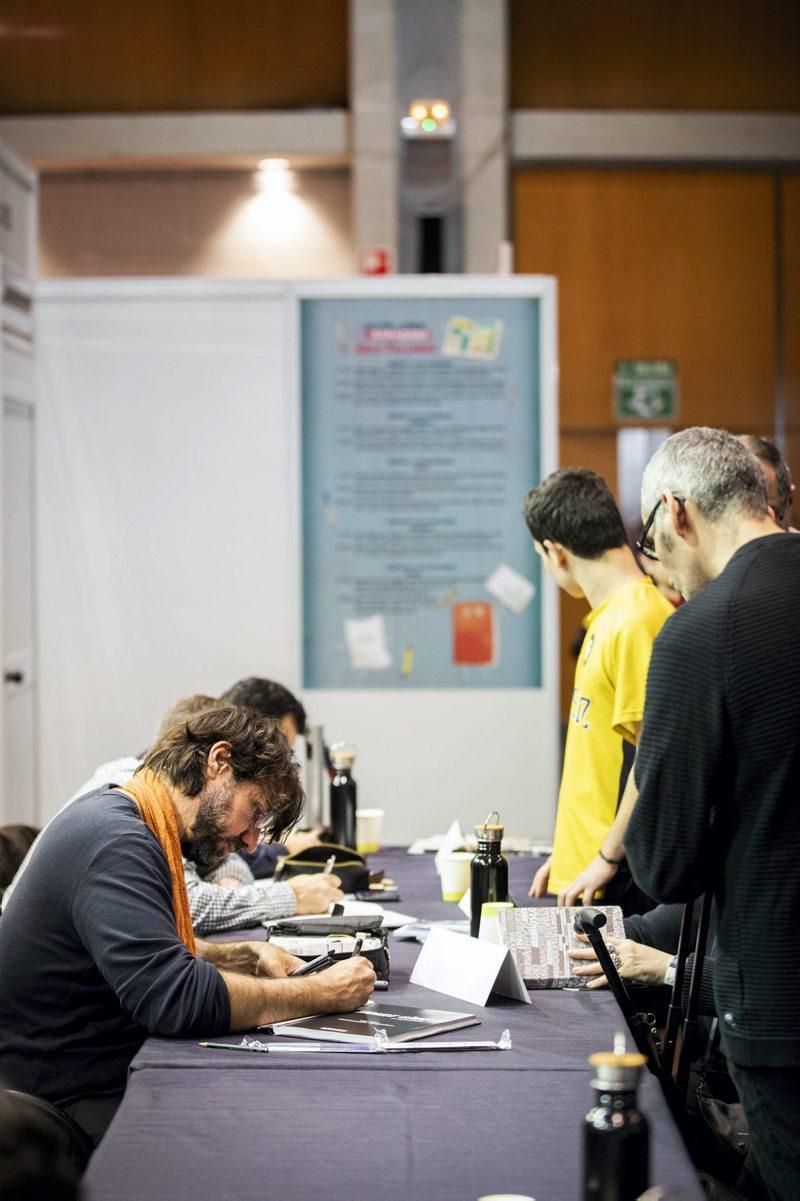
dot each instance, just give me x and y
(198, 1124)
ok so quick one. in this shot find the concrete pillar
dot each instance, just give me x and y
(482, 118)
(374, 122)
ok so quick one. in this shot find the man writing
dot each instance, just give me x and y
(96, 944)
(226, 898)
(719, 762)
(580, 537)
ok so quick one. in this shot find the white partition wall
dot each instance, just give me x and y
(170, 557)
(18, 749)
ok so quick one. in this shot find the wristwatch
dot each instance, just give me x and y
(671, 969)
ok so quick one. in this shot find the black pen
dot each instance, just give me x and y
(357, 948)
(315, 965)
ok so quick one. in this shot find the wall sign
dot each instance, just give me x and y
(645, 390)
(420, 439)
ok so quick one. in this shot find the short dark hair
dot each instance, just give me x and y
(767, 452)
(259, 752)
(269, 698)
(575, 508)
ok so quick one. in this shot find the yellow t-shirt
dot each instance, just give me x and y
(607, 702)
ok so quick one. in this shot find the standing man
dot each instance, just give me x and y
(580, 538)
(96, 944)
(718, 768)
(780, 488)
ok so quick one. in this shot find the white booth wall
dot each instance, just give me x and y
(169, 560)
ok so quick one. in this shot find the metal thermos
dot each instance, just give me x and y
(316, 775)
(343, 795)
(488, 871)
(616, 1150)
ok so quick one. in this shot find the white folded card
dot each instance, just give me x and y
(467, 968)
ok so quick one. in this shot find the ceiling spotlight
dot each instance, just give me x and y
(273, 164)
(428, 119)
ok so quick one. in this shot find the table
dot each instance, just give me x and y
(198, 1124)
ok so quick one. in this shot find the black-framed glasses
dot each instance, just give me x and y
(645, 543)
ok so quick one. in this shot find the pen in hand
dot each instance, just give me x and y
(315, 965)
(357, 948)
(326, 871)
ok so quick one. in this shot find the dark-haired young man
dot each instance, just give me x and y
(96, 944)
(272, 700)
(579, 535)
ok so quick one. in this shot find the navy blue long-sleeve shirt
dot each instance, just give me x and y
(90, 959)
(718, 773)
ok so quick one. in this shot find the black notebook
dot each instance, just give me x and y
(397, 1023)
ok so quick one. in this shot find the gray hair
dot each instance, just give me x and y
(709, 467)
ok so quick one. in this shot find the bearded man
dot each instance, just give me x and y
(96, 944)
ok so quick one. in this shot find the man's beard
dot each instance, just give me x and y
(205, 843)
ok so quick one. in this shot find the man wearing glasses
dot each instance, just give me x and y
(227, 897)
(579, 535)
(96, 944)
(718, 765)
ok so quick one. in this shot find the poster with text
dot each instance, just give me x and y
(420, 440)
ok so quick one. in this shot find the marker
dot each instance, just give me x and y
(329, 865)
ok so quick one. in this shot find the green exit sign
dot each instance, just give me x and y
(645, 390)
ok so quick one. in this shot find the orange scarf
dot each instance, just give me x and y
(158, 813)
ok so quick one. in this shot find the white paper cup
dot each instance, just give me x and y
(368, 830)
(489, 930)
(454, 875)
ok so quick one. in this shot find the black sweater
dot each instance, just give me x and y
(90, 959)
(718, 772)
(661, 928)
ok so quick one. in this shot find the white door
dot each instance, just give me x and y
(19, 800)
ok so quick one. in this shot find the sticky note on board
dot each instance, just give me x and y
(510, 588)
(366, 642)
(474, 634)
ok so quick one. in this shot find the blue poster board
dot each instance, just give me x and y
(420, 438)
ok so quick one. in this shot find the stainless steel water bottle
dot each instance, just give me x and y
(489, 870)
(343, 795)
(616, 1162)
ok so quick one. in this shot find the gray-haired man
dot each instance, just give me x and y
(719, 762)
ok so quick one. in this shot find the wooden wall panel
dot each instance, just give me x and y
(668, 54)
(790, 205)
(171, 55)
(651, 264)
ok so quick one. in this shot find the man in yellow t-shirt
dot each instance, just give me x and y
(580, 537)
